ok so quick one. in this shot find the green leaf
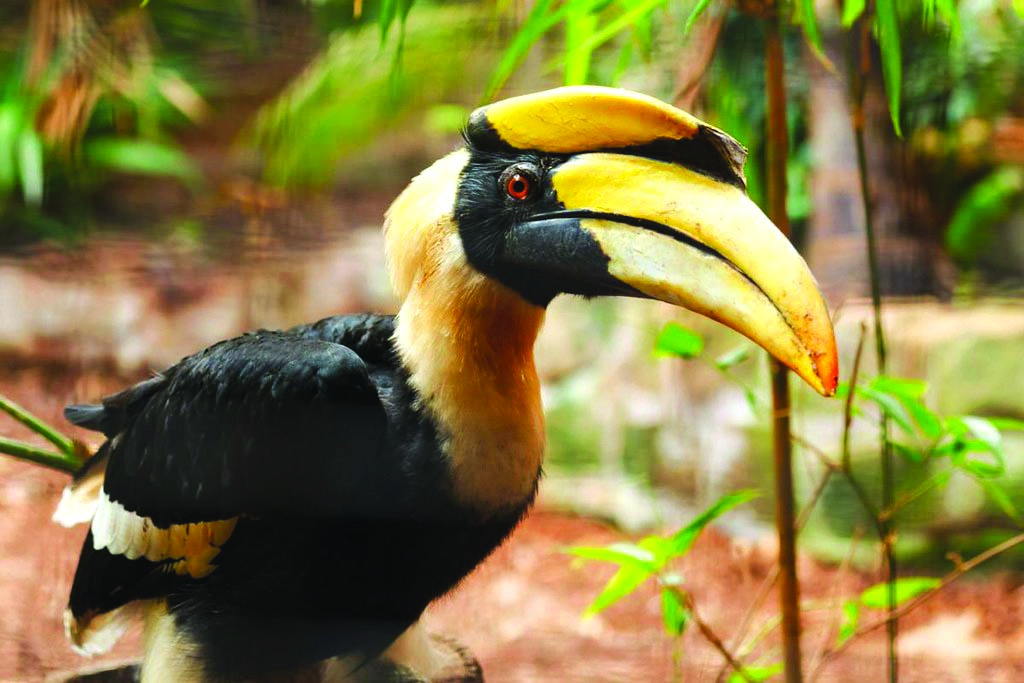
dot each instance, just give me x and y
(988, 202)
(617, 26)
(851, 618)
(756, 673)
(1001, 498)
(852, 9)
(891, 406)
(1018, 7)
(537, 23)
(674, 614)
(617, 553)
(30, 166)
(683, 539)
(907, 588)
(900, 386)
(809, 21)
(1007, 423)
(623, 583)
(908, 453)
(579, 28)
(910, 393)
(985, 431)
(888, 25)
(695, 15)
(676, 340)
(386, 17)
(951, 15)
(141, 156)
(731, 358)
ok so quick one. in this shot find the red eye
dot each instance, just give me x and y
(518, 186)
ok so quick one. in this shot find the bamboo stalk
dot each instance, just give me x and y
(782, 447)
(860, 69)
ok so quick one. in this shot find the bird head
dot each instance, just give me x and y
(605, 192)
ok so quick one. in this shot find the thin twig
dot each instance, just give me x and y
(906, 499)
(855, 485)
(63, 443)
(860, 70)
(836, 608)
(710, 635)
(848, 406)
(739, 642)
(25, 451)
(959, 570)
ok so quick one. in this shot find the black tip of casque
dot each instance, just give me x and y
(86, 415)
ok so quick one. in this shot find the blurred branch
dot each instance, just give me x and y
(860, 69)
(63, 443)
(913, 604)
(39, 456)
(778, 151)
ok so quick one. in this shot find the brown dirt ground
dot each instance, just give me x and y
(520, 612)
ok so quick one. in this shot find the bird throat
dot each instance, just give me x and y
(468, 344)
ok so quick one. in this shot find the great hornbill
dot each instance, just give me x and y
(289, 497)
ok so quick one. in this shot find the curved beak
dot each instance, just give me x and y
(669, 233)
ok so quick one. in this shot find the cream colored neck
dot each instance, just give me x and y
(468, 343)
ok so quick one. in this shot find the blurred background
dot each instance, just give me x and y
(177, 172)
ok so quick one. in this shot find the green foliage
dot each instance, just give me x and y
(887, 26)
(676, 340)
(972, 445)
(756, 673)
(349, 95)
(985, 205)
(144, 157)
(21, 149)
(651, 557)
(877, 597)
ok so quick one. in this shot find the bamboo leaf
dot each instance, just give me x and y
(674, 615)
(888, 25)
(809, 21)
(537, 23)
(579, 29)
(851, 617)
(1007, 423)
(30, 166)
(683, 539)
(756, 673)
(1001, 498)
(618, 553)
(143, 157)
(907, 588)
(622, 584)
(618, 25)
(731, 358)
(852, 9)
(676, 340)
(695, 15)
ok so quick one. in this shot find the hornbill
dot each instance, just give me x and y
(293, 500)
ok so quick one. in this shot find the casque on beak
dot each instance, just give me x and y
(663, 201)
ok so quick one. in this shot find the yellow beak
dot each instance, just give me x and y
(685, 238)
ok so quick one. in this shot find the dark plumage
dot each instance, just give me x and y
(312, 436)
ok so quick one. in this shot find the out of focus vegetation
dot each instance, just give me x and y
(103, 97)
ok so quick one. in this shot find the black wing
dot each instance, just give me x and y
(267, 424)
